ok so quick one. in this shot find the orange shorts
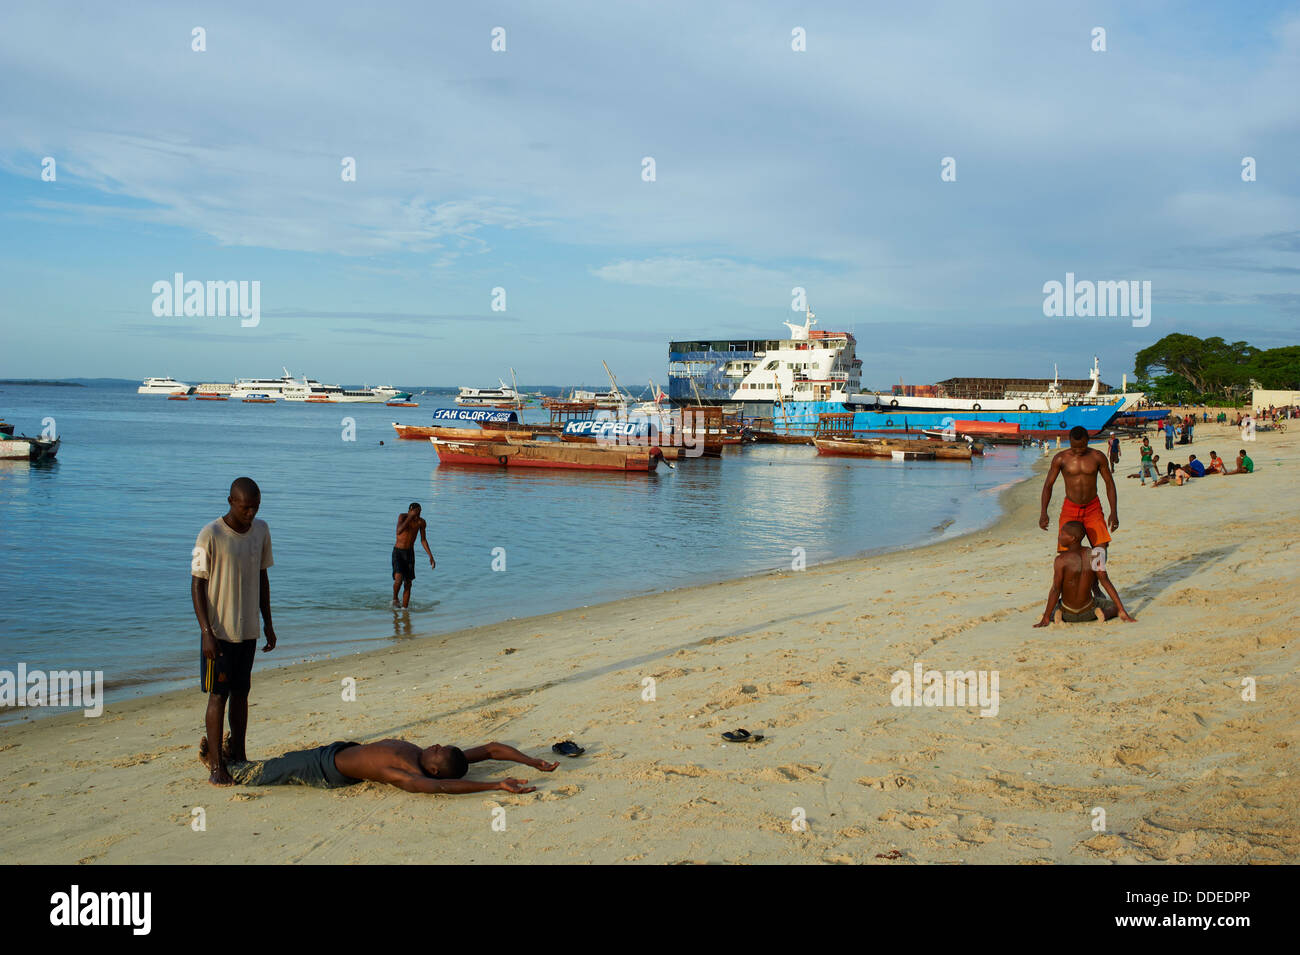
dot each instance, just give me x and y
(1090, 516)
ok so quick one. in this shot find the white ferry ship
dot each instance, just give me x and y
(289, 388)
(334, 394)
(489, 397)
(809, 365)
(163, 386)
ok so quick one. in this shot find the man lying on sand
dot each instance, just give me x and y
(1074, 575)
(434, 769)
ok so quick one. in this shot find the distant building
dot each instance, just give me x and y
(1266, 398)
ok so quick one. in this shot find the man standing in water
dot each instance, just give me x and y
(408, 525)
(229, 586)
(1081, 465)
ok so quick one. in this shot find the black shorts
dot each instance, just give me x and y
(231, 671)
(404, 563)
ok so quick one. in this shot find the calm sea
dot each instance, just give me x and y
(95, 548)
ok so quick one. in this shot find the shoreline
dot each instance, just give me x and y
(1141, 719)
(181, 684)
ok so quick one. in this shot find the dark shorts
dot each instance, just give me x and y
(231, 671)
(303, 767)
(404, 563)
(1087, 614)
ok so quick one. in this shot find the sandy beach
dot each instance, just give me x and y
(1145, 721)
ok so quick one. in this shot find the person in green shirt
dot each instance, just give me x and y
(1146, 463)
(1244, 464)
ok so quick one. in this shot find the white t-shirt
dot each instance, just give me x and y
(232, 564)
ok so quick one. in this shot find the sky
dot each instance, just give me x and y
(524, 170)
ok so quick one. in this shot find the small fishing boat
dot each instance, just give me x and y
(6, 428)
(22, 448)
(178, 396)
(468, 424)
(210, 396)
(402, 404)
(547, 454)
(892, 448)
(982, 432)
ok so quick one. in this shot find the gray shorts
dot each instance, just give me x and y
(303, 767)
(1087, 614)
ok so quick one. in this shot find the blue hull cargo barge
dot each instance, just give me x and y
(801, 418)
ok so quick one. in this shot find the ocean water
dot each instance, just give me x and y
(95, 547)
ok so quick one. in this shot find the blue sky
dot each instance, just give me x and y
(522, 170)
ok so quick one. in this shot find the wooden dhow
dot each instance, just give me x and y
(547, 454)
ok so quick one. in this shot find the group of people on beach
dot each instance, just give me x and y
(229, 588)
(1179, 474)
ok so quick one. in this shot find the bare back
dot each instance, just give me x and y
(370, 760)
(1076, 577)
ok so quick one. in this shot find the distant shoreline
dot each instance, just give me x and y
(37, 381)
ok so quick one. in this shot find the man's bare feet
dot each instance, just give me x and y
(1058, 617)
(1099, 614)
(218, 776)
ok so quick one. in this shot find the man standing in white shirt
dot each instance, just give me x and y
(229, 587)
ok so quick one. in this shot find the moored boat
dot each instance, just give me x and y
(899, 450)
(547, 454)
(475, 434)
(476, 424)
(162, 386)
(22, 448)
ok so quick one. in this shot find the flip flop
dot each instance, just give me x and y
(742, 736)
(568, 748)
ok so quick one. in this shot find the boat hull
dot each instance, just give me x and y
(411, 432)
(20, 448)
(546, 454)
(801, 417)
(908, 450)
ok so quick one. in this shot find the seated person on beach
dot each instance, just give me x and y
(1174, 474)
(1217, 465)
(1194, 467)
(1244, 464)
(433, 769)
(1074, 574)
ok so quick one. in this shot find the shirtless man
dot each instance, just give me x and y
(1081, 465)
(434, 769)
(408, 524)
(1075, 574)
